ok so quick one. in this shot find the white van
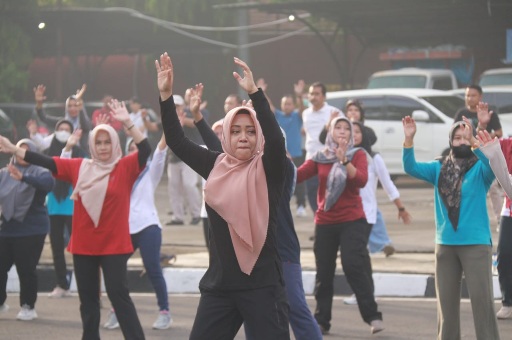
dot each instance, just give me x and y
(496, 77)
(438, 79)
(384, 109)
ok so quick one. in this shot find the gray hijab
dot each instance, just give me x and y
(337, 178)
(16, 196)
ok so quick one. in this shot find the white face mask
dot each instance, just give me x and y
(62, 136)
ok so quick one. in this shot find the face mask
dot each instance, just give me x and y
(62, 136)
(462, 151)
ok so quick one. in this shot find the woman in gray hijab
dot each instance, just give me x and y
(24, 224)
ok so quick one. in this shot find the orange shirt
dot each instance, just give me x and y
(112, 236)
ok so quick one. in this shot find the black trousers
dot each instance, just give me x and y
(116, 283)
(505, 260)
(264, 312)
(58, 223)
(351, 239)
(24, 252)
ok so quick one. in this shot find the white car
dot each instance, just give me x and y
(412, 77)
(384, 109)
(496, 77)
(499, 99)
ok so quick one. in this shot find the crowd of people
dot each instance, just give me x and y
(91, 184)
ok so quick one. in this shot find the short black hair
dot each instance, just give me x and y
(475, 87)
(321, 86)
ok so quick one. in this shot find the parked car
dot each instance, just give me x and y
(499, 99)
(411, 77)
(7, 129)
(496, 77)
(384, 109)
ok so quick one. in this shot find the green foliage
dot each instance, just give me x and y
(15, 55)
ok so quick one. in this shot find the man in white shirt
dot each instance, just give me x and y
(315, 117)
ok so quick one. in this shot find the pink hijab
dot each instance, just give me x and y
(94, 174)
(237, 191)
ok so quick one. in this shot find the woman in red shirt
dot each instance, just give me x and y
(340, 223)
(101, 237)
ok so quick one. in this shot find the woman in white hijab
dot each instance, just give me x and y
(100, 238)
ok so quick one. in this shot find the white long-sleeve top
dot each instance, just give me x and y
(499, 166)
(314, 122)
(377, 171)
(143, 212)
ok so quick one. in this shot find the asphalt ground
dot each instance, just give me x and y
(404, 319)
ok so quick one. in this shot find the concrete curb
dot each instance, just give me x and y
(186, 280)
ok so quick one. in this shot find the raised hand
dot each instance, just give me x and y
(196, 94)
(15, 172)
(298, 87)
(119, 111)
(341, 150)
(80, 92)
(409, 127)
(484, 138)
(247, 82)
(165, 76)
(262, 84)
(467, 130)
(103, 118)
(247, 103)
(39, 96)
(483, 114)
(73, 139)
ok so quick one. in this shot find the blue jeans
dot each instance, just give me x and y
(149, 241)
(379, 236)
(303, 323)
(312, 192)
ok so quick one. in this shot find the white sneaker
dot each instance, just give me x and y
(26, 313)
(504, 313)
(376, 326)
(351, 300)
(163, 321)
(301, 211)
(4, 308)
(58, 293)
(112, 322)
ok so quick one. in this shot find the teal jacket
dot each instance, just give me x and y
(474, 227)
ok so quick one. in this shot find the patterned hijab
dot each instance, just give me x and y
(337, 178)
(237, 191)
(450, 178)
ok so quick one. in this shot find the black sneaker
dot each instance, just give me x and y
(195, 220)
(175, 222)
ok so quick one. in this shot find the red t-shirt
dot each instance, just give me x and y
(112, 236)
(349, 206)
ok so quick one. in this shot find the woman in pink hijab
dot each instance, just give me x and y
(101, 237)
(244, 282)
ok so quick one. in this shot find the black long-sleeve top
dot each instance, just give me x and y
(48, 162)
(224, 272)
(288, 244)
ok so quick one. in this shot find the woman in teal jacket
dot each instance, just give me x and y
(463, 234)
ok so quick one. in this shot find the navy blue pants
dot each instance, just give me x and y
(149, 242)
